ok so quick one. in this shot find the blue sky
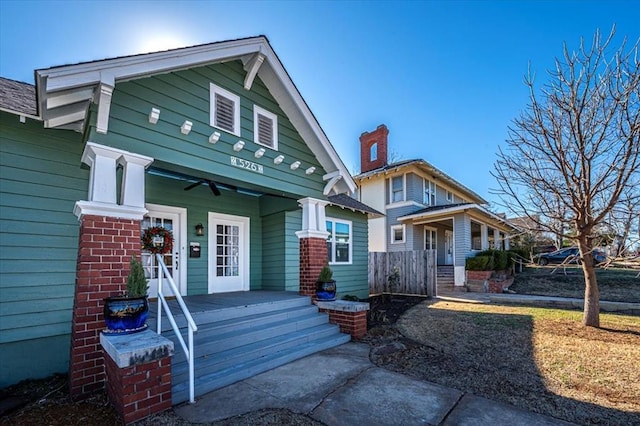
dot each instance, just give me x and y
(444, 76)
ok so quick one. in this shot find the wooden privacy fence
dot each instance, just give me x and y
(416, 272)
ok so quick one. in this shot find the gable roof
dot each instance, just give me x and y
(65, 92)
(16, 96)
(428, 169)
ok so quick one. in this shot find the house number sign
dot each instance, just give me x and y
(246, 164)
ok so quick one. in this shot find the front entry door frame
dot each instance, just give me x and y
(179, 244)
(217, 284)
(448, 247)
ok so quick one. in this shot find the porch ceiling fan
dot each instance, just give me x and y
(212, 186)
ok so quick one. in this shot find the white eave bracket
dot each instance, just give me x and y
(105, 91)
(333, 178)
(252, 66)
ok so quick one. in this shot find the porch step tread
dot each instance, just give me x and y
(223, 359)
(226, 376)
(230, 313)
(210, 342)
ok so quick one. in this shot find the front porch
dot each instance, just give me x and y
(241, 334)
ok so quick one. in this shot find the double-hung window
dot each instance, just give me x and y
(429, 193)
(397, 189)
(265, 127)
(339, 241)
(450, 196)
(224, 109)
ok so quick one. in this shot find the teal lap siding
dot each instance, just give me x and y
(40, 180)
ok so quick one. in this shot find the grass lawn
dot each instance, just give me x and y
(539, 359)
(616, 285)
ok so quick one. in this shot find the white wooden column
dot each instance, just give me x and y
(313, 218)
(102, 193)
(484, 237)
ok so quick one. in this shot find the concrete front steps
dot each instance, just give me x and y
(233, 344)
(445, 279)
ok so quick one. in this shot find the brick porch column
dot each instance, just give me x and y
(105, 249)
(109, 236)
(313, 255)
(313, 244)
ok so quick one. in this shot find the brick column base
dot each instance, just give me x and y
(138, 370)
(105, 249)
(313, 256)
(350, 316)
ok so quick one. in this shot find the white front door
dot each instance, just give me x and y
(448, 247)
(228, 253)
(170, 218)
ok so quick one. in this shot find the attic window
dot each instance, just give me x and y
(265, 127)
(225, 110)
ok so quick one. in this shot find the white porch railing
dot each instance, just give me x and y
(163, 273)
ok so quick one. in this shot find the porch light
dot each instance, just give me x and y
(186, 127)
(259, 153)
(199, 230)
(215, 136)
(238, 146)
(295, 165)
(279, 159)
(154, 115)
(310, 170)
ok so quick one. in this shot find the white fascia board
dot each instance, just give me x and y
(458, 209)
(10, 111)
(286, 94)
(128, 67)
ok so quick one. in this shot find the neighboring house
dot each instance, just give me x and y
(215, 134)
(424, 208)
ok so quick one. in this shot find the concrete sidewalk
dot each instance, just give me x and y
(340, 386)
(542, 301)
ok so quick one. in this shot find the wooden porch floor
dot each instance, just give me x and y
(219, 301)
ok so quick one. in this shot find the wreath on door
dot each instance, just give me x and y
(157, 240)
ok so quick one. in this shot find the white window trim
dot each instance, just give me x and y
(434, 240)
(213, 89)
(404, 234)
(432, 192)
(274, 118)
(404, 189)
(333, 238)
(449, 195)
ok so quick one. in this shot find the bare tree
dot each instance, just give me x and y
(574, 150)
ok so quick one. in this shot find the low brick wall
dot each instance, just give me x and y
(350, 316)
(138, 372)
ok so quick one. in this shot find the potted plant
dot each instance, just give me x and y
(326, 285)
(128, 314)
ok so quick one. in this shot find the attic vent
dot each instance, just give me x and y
(224, 113)
(265, 127)
(225, 110)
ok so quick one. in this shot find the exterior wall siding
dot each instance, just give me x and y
(414, 188)
(199, 202)
(40, 181)
(352, 279)
(392, 219)
(280, 251)
(184, 95)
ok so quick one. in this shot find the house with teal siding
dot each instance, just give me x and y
(213, 144)
(426, 209)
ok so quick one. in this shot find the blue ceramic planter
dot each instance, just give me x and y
(125, 315)
(326, 291)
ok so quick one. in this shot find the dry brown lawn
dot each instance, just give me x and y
(540, 359)
(615, 284)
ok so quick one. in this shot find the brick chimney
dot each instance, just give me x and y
(373, 149)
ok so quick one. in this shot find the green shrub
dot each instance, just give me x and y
(136, 281)
(478, 263)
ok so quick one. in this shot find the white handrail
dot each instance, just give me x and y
(163, 272)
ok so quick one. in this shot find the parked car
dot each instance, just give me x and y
(561, 255)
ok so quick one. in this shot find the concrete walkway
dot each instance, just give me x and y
(545, 301)
(340, 386)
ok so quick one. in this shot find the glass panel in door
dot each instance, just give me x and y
(149, 262)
